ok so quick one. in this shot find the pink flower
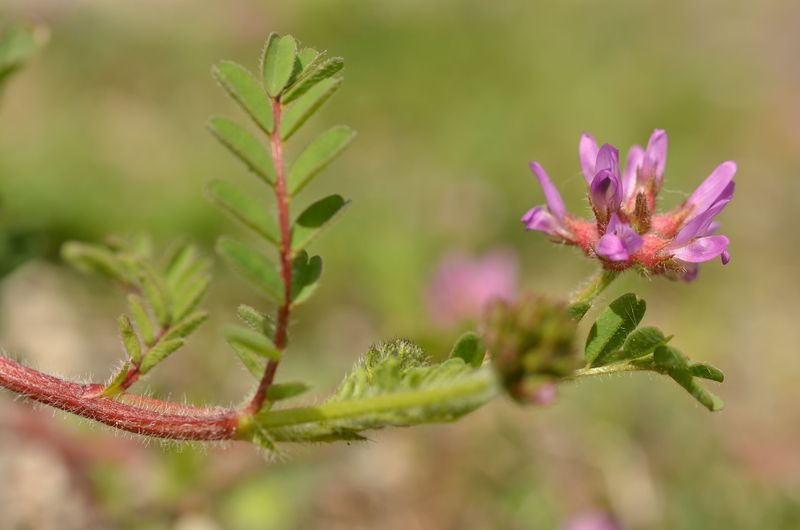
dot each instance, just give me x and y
(462, 285)
(626, 232)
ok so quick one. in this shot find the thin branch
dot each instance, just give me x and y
(284, 224)
(157, 418)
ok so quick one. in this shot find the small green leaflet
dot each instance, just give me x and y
(245, 146)
(469, 347)
(613, 326)
(305, 276)
(244, 208)
(141, 318)
(280, 391)
(278, 63)
(317, 72)
(129, 339)
(246, 91)
(252, 341)
(158, 353)
(253, 266)
(94, 259)
(306, 105)
(315, 219)
(314, 158)
(187, 326)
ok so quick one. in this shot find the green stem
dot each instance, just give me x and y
(607, 370)
(476, 390)
(593, 287)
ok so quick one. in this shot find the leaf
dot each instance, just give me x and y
(181, 263)
(245, 208)
(314, 219)
(470, 348)
(115, 386)
(256, 320)
(278, 63)
(578, 310)
(280, 391)
(706, 398)
(669, 358)
(306, 105)
(306, 56)
(245, 146)
(246, 91)
(94, 259)
(613, 325)
(155, 294)
(317, 72)
(189, 295)
(129, 339)
(254, 363)
(253, 266)
(639, 343)
(643, 342)
(252, 341)
(706, 371)
(17, 46)
(305, 276)
(187, 326)
(141, 318)
(159, 352)
(317, 156)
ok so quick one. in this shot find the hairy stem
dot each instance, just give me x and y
(152, 418)
(606, 370)
(593, 287)
(284, 311)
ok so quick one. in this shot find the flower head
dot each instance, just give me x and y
(462, 286)
(626, 232)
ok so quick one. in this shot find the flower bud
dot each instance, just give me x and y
(531, 343)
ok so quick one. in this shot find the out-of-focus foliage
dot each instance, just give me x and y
(104, 133)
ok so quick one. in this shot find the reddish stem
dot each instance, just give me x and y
(282, 199)
(159, 420)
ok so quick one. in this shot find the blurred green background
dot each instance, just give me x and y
(104, 134)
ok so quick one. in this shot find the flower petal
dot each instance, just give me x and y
(554, 202)
(611, 247)
(540, 219)
(632, 164)
(690, 272)
(587, 151)
(604, 192)
(698, 226)
(702, 249)
(630, 239)
(656, 155)
(715, 188)
(726, 257)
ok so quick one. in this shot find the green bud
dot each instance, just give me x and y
(532, 343)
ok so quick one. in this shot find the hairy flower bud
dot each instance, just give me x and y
(531, 344)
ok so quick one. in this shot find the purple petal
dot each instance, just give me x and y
(611, 247)
(554, 202)
(698, 226)
(540, 219)
(691, 272)
(607, 158)
(702, 249)
(587, 151)
(715, 188)
(726, 257)
(655, 159)
(634, 160)
(630, 239)
(605, 192)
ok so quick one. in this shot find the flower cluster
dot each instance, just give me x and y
(627, 232)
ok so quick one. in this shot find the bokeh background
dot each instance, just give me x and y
(104, 134)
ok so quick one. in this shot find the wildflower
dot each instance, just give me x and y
(625, 231)
(462, 285)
